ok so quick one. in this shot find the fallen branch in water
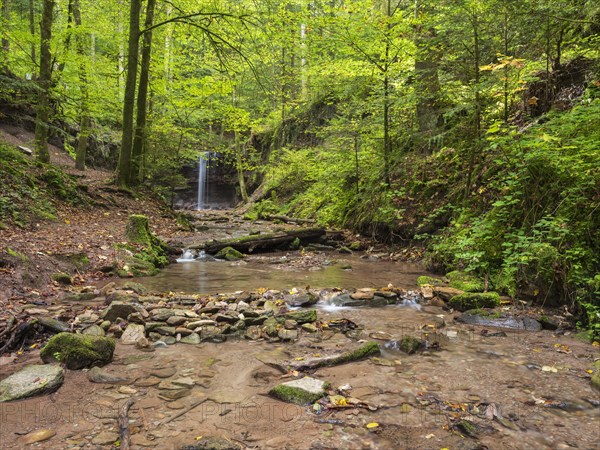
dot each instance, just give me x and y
(124, 425)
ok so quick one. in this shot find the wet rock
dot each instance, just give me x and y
(255, 320)
(346, 300)
(364, 351)
(363, 295)
(226, 318)
(151, 326)
(138, 288)
(37, 436)
(287, 335)
(105, 438)
(98, 375)
(115, 330)
(253, 333)
(408, 344)
(300, 300)
(193, 338)
(162, 314)
(31, 381)
(133, 333)
(498, 319)
(143, 344)
(446, 293)
(212, 443)
(270, 327)
(468, 300)
(176, 320)
(303, 391)
(93, 330)
(302, 316)
(290, 324)
(76, 351)
(467, 427)
(183, 331)
(309, 327)
(54, 324)
(229, 254)
(169, 340)
(120, 309)
(165, 330)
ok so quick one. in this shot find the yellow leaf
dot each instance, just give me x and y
(372, 425)
(67, 221)
(595, 344)
(590, 371)
(33, 346)
(199, 437)
(299, 358)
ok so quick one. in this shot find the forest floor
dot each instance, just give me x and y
(477, 389)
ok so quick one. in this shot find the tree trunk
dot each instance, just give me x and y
(84, 117)
(139, 140)
(6, 20)
(124, 166)
(240, 168)
(44, 82)
(32, 29)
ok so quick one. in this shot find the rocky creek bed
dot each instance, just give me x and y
(386, 368)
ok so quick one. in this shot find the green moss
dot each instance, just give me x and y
(465, 281)
(596, 381)
(485, 313)
(294, 395)
(154, 252)
(16, 254)
(469, 300)
(364, 351)
(409, 344)
(62, 278)
(78, 351)
(229, 253)
(295, 245)
(423, 280)
(302, 316)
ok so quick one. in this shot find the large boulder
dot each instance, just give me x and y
(77, 351)
(30, 381)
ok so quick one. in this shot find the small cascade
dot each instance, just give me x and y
(411, 300)
(188, 255)
(202, 179)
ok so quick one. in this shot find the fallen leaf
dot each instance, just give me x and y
(372, 425)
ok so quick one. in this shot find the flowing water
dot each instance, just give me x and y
(202, 177)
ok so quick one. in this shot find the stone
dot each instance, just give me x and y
(136, 317)
(163, 373)
(229, 254)
(253, 333)
(176, 320)
(212, 443)
(302, 316)
(366, 350)
(469, 300)
(37, 436)
(77, 351)
(309, 327)
(133, 333)
(301, 392)
(226, 318)
(54, 324)
(119, 309)
(147, 382)
(201, 323)
(162, 314)
(362, 295)
(183, 331)
(429, 281)
(174, 394)
(105, 438)
(186, 382)
(301, 300)
(407, 344)
(446, 293)
(30, 381)
(127, 390)
(93, 330)
(498, 320)
(287, 335)
(98, 375)
(165, 331)
(596, 380)
(290, 324)
(169, 340)
(193, 338)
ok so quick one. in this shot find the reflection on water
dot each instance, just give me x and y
(220, 276)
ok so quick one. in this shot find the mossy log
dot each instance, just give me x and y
(261, 242)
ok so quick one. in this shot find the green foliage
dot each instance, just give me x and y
(472, 300)
(465, 281)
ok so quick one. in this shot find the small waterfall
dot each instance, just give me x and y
(202, 179)
(188, 255)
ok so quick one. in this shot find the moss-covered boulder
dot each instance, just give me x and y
(465, 281)
(301, 316)
(62, 278)
(425, 280)
(154, 250)
(471, 300)
(229, 253)
(301, 392)
(77, 351)
(407, 344)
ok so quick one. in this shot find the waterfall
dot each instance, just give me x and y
(202, 179)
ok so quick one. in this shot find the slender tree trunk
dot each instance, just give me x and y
(240, 167)
(124, 166)
(32, 30)
(474, 148)
(6, 20)
(387, 144)
(84, 115)
(168, 40)
(139, 140)
(67, 44)
(44, 82)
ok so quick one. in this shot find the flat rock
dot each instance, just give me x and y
(30, 381)
(193, 338)
(174, 394)
(212, 443)
(163, 373)
(37, 436)
(98, 375)
(147, 382)
(93, 330)
(133, 333)
(500, 320)
(446, 293)
(105, 438)
(302, 391)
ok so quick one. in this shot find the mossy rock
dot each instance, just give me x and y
(137, 267)
(77, 351)
(425, 280)
(138, 230)
(301, 316)
(407, 344)
(465, 281)
(229, 253)
(138, 288)
(17, 255)
(295, 244)
(155, 251)
(470, 300)
(62, 278)
(301, 392)
(355, 246)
